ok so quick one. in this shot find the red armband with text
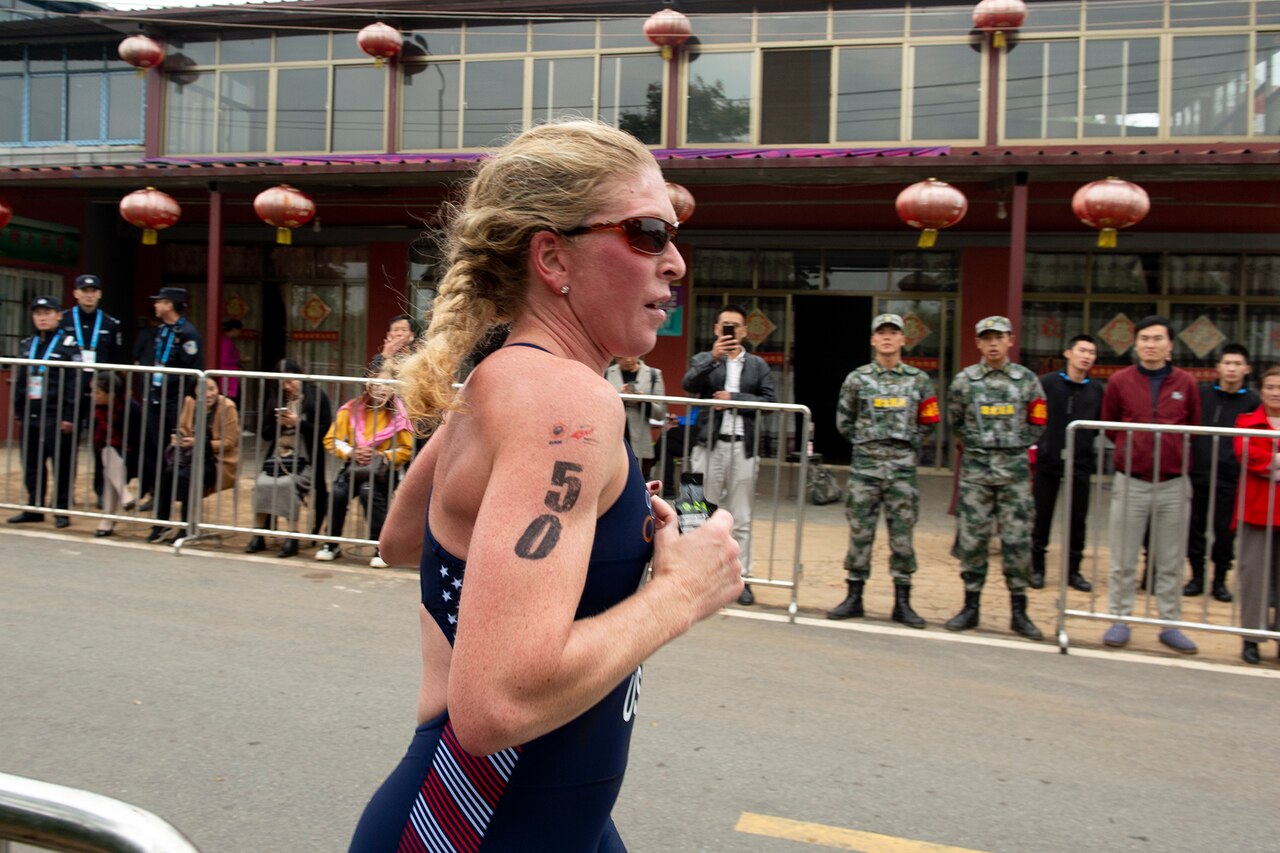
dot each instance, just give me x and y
(928, 413)
(1037, 412)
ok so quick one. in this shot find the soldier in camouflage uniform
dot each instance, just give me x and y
(996, 410)
(886, 409)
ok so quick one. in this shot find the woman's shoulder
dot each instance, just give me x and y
(518, 388)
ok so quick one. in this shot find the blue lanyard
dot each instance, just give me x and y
(163, 360)
(97, 327)
(35, 342)
(1064, 375)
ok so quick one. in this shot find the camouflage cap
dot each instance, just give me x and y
(888, 320)
(994, 323)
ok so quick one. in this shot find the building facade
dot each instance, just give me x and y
(794, 125)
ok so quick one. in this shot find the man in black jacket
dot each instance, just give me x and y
(1071, 396)
(174, 343)
(1220, 403)
(44, 402)
(725, 450)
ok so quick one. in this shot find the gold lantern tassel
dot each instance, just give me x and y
(379, 61)
(999, 41)
(928, 237)
(148, 236)
(1107, 238)
(284, 236)
(667, 52)
(140, 72)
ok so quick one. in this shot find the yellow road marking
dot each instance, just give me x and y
(836, 837)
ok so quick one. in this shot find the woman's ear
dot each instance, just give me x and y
(549, 261)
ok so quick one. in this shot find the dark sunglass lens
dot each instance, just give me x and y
(647, 235)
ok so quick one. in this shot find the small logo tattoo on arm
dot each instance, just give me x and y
(561, 434)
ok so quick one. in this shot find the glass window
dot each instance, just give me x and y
(1132, 14)
(302, 101)
(1204, 275)
(192, 51)
(850, 19)
(1055, 273)
(722, 268)
(84, 106)
(359, 94)
(430, 99)
(46, 108)
(793, 26)
(1268, 11)
(497, 38)
(1046, 328)
(1266, 72)
(933, 272)
(1207, 13)
(563, 87)
(1042, 84)
(304, 47)
(10, 105)
(933, 18)
(858, 271)
(722, 29)
(1111, 325)
(492, 103)
(189, 113)
(869, 99)
(346, 46)
(1053, 15)
(240, 51)
(564, 35)
(719, 104)
(441, 42)
(631, 95)
(795, 102)
(12, 59)
(1126, 274)
(125, 92)
(946, 96)
(1210, 86)
(242, 111)
(1121, 79)
(85, 57)
(1199, 331)
(1262, 275)
(623, 32)
(45, 58)
(1262, 336)
(787, 270)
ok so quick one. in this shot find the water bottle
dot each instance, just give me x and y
(692, 508)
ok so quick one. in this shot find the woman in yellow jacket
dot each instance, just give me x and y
(373, 438)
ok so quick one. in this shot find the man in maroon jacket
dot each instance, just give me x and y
(1151, 392)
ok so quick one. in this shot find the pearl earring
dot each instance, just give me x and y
(564, 291)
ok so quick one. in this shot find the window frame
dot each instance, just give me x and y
(109, 69)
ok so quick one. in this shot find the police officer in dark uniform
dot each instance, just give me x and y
(44, 402)
(99, 338)
(174, 343)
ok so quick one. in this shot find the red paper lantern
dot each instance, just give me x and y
(668, 29)
(1110, 204)
(286, 209)
(6, 214)
(150, 210)
(142, 52)
(999, 17)
(380, 41)
(681, 200)
(931, 205)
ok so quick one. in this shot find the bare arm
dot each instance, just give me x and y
(401, 540)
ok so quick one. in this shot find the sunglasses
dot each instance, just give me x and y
(647, 235)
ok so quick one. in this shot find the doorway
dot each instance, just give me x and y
(831, 339)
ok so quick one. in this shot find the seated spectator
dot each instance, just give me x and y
(1258, 517)
(117, 424)
(293, 464)
(373, 438)
(221, 455)
(630, 375)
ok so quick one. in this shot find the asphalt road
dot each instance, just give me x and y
(255, 703)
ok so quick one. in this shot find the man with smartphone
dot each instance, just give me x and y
(725, 452)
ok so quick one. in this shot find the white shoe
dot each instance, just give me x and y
(328, 553)
(377, 562)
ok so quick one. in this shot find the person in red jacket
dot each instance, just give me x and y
(1152, 391)
(1259, 514)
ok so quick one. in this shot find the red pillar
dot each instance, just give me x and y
(1017, 255)
(393, 101)
(993, 93)
(213, 287)
(672, 138)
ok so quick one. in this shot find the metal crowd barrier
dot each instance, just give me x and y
(1145, 594)
(55, 817)
(773, 438)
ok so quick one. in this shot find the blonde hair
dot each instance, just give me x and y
(552, 177)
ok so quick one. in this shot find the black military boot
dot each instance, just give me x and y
(1037, 571)
(902, 611)
(1019, 622)
(1220, 591)
(968, 616)
(1250, 652)
(1077, 581)
(1195, 586)
(851, 607)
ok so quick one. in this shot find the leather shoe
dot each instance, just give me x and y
(1250, 653)
(289, 548)
(157, 534)
(1193, 588)
(25, 518)
(102, 534)
(1037, 580)
(1077, 581)
(747, 596)
(255, 545)
(1221, 593)
(147, 505)
(61, 522)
